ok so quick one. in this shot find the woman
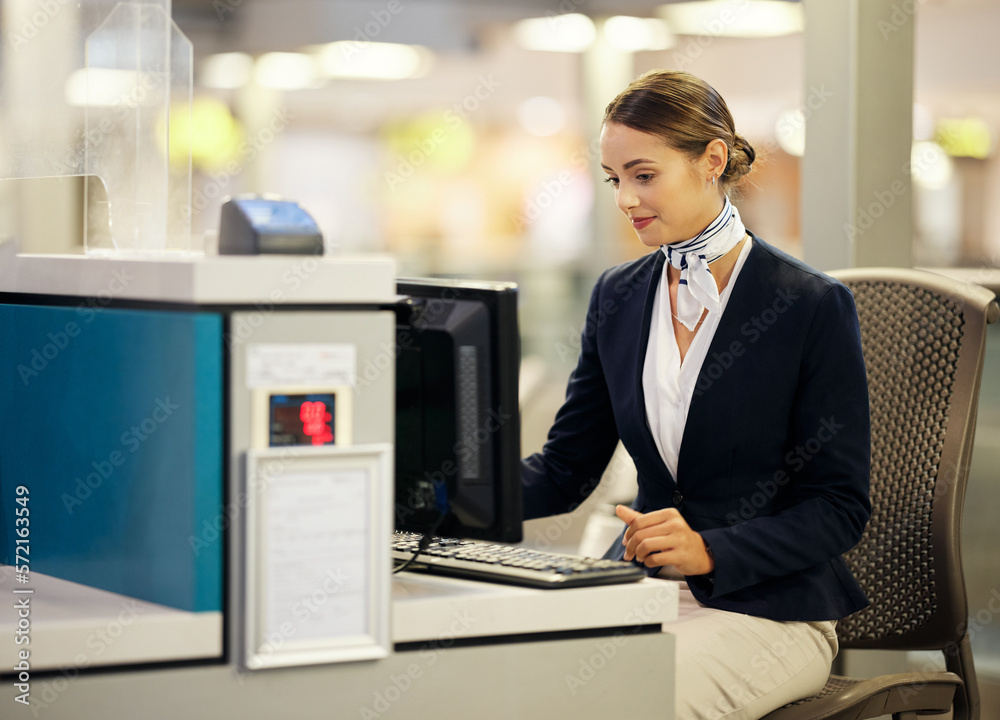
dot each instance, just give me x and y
(733, 375)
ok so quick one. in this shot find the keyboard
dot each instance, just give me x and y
(499, 563)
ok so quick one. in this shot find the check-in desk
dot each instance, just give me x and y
(167, 551)
(462, 650)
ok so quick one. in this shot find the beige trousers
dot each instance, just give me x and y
(739, 667)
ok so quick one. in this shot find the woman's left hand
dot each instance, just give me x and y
(663, 537)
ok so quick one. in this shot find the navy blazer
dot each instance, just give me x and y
(774, 462)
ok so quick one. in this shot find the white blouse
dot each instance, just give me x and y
(667, 383)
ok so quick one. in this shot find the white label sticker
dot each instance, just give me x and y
(300, 365)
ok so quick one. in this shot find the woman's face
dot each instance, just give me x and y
(668, 197)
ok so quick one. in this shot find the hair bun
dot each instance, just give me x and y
(747, 148)
(740, 158)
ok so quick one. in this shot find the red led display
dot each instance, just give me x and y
(316, 422)
(305, 419)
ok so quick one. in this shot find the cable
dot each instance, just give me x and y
(422, 545)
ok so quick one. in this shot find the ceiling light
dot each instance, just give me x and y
(557, 33)
(225, 71)
(930, 167)
(374, 60)
(734, 18)
(285, 71)
(635, 33)
(108, 87)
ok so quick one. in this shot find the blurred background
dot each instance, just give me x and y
(466, 144)
(460, 136)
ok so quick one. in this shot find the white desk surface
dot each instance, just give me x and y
(74, 625)
(81, 627)
(427, 608)
(206, 279)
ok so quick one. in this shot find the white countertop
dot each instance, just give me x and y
(74, 625)
(431, 608)
(78, 626)
(201, 279)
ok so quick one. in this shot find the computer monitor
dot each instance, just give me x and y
(458, 436)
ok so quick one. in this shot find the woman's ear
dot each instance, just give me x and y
(716, 157)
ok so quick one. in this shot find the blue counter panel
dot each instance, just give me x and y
(113, 420)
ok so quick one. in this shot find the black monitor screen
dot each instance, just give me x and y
(457, 424)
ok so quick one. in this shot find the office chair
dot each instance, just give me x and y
(923, 338)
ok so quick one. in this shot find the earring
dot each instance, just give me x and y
(713, 181)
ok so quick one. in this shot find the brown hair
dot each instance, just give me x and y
(686, 113)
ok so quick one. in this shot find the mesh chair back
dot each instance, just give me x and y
(923, 339)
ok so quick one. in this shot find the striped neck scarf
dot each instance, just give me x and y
(697, 289)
